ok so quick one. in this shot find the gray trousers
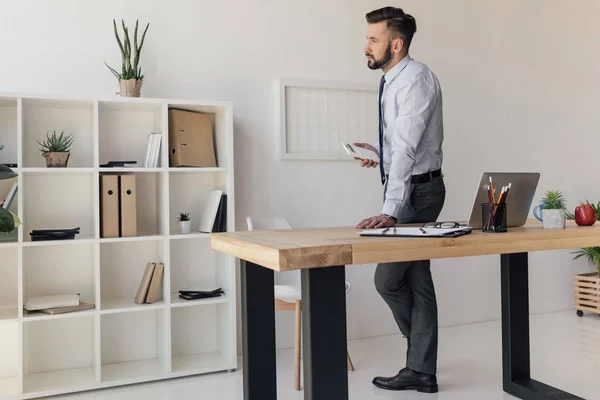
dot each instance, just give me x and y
(407, 287)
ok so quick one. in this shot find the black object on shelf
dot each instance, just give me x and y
(112, 164)
(200, 294)
(10, 165)
(54, 234)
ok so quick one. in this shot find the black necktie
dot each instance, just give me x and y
(381, 84)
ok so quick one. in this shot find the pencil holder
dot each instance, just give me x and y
(493, 217)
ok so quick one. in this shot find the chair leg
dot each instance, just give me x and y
(298, 346)
(350, 365)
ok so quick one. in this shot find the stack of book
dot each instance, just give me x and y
(153, 150)
(150, 286)
(58, 304)
(54, 234)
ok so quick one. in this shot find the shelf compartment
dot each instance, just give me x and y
(44, 116)
(134, 345)
(188, 193)
(122, 266)
(9, 285)
(201, 340)
(59, 270)
(196, 266)
(59, 355)
(54, 201)
(149, 204)
(10, 382)
(124, 129)
(222, 126)
(8, 130)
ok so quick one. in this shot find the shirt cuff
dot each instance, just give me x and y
(391, 208)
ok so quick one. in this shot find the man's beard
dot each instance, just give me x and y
(377, 64)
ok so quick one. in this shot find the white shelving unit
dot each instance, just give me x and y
(119, 342)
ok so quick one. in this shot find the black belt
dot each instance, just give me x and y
(424, 178)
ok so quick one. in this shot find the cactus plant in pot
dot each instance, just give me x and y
(56, 149)
(130, 78)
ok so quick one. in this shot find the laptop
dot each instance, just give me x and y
(522, 190)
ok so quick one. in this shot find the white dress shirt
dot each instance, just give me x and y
(412, 129)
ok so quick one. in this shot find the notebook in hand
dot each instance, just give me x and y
(418, 232)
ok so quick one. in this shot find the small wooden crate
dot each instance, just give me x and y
(587, 293)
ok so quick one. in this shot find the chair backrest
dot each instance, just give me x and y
(291, 278)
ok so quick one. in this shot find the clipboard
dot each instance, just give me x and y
(418, 232)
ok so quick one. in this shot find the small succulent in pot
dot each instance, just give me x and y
(56, 149)
(184, 222)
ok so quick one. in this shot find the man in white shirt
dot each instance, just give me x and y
(410, 149)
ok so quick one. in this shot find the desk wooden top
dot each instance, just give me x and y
(284, 250)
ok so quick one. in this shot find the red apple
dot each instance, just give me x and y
(585, 215)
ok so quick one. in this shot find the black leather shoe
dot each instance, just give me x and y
(408, 379)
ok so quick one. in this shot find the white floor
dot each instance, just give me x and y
(565, 353)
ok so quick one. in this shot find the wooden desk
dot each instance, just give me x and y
(322, 254)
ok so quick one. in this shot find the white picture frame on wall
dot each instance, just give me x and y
(316, 116)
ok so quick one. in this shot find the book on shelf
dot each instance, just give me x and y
(214, 215)
(82, 306)
(153, 150)
(53, 234)
(57, 304)
(149, 290)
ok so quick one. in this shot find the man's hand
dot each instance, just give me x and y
(363, 162)
(380, 221)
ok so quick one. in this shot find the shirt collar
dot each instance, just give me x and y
(392, 73)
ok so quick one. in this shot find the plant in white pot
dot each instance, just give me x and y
(553, 212)
(184, 222)
(131, 77)
(56, 149)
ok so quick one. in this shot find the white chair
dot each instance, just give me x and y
(288, 293)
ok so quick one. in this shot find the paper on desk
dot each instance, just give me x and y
(415, 232)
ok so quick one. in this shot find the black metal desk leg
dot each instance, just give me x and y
(516, 373)
(324, 334)
(258, 332)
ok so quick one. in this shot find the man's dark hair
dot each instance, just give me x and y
(399, 23)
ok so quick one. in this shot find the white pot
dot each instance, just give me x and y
(553, 219)
(184, 226)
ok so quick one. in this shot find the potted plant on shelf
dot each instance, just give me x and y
(56, 149)
(552, 214)
(131, 77)
(184, 222)
(9, 221)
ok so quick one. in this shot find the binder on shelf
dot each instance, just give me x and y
(207, 220)
(220, 224)
(109, 206)
(142, 292)
(191, 142)
(154, 290)
(127, 198)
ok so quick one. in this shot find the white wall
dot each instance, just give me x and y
(519, 76)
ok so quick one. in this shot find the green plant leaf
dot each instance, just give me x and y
(7, 221)
(6, 173)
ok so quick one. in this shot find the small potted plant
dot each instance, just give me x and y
(184, 222)
(56, 149)
(587, 285)
(130, 78)
(552, 214)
